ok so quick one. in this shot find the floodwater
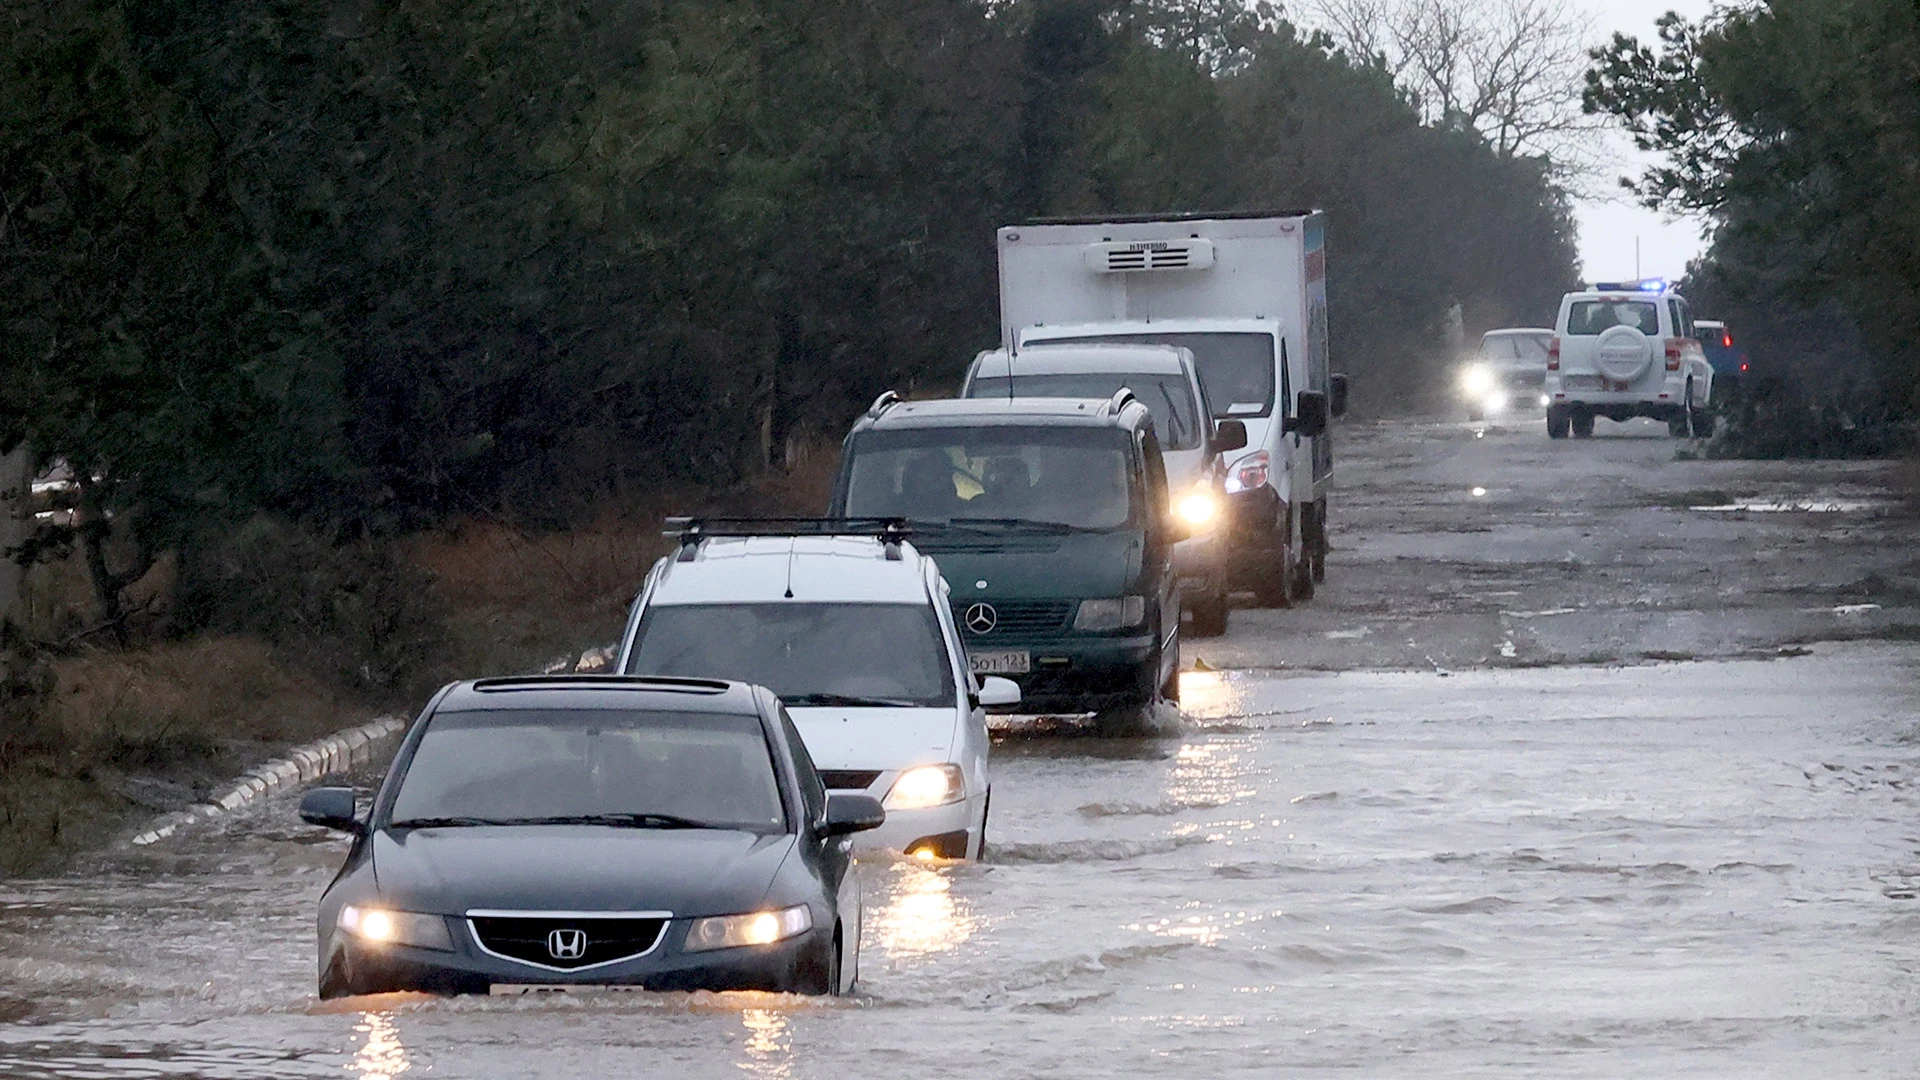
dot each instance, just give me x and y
(1679, 869)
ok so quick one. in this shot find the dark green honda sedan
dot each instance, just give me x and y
(1049, 519)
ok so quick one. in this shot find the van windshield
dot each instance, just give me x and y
(808, 653)
(1078, 477)
(1176, 416)
(1589, 317)
(1236, 369)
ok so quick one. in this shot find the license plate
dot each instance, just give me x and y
(1582, 382)
(1000, 662)
(531, 989)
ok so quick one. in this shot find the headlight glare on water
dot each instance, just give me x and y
(927, 785)
(757, 928)
(380, 926)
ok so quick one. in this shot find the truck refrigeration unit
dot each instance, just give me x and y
(1247, 294)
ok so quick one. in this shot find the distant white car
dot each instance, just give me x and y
(1627, 350)
(855, 634)
(1163, 378)
(1509, 372)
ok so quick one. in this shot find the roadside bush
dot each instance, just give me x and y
(352, 610)
(1781, 418)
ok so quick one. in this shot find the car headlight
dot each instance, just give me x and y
(1114, 614)
(1198, 507)
(381, 926)
(927, 785)
(1477, 379)
(759, 928)
(1496, 401)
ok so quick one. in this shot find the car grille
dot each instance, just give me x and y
(849, 779)
(1018, 616)
(551, 941)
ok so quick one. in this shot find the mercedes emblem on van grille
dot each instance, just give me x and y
(981, 619)
(567, 944)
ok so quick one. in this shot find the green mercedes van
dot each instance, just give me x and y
(1049, 519)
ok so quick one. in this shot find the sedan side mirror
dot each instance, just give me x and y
(998, 693)
(330, 807)
(851, 813)
(1337, 400)
(1229, 435)
(1310, 416)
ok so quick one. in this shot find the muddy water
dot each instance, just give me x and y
(1700, 869)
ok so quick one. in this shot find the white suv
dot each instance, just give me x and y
(853, 629)
(1627, 350)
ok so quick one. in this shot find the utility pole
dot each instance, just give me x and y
(1636, 258)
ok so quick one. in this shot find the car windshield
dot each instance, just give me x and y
(1589, 317)
(1076, 477)
(1513, 349)
(809, 654)
(526, 766)
(1235, 369)
(1176, 416)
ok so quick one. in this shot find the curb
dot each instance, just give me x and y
(316, 759)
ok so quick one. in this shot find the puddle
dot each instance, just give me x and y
(1792, 506)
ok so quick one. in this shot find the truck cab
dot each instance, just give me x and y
(1246, 295)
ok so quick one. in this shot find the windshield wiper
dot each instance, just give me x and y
(850, 701)
(618, 821)
(444, 822)
(1055, 527)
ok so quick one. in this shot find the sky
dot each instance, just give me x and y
(1610, 225)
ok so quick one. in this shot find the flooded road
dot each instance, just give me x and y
(1408, 861)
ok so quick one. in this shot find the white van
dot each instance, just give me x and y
(855, 634)
(1162, 378)
(1246, 294)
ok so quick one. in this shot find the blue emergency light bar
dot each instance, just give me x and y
(1643, 285)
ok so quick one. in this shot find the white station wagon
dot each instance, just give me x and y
(1627, 350)
(853, 629)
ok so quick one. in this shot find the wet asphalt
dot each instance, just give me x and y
(1588, 760)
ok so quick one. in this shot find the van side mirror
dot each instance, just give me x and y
(1310, 414)
(1229, 435)
(1337, 400)
(850, 813)
(330, 807)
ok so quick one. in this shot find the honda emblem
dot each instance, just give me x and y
(567, 944)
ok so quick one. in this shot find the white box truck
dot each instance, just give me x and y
(1247, 293)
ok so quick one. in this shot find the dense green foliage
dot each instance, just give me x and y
(1795, 124)
(367, 266)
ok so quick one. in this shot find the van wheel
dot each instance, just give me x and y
(1318, 547)
(980, 849)
(1274, 588)
(1303, 573)
(1210, 614)
(1582, 424)
(1170, 690)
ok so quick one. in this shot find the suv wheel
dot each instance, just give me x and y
(1582, 423)
(1557, 419)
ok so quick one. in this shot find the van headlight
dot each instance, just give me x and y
(1198, 507)
(381, 926)
(1115, 614)
(758, 928)
(927, 785)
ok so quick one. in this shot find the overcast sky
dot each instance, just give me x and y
(1608, 227)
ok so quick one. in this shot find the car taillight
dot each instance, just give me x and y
(1726, 340)
(1249, 473)
(1673, 354)
(1743, 367)
(1553, 353)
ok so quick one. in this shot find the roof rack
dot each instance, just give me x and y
(689, 531)
(887, 400)
(542, 682)
(1120, 400)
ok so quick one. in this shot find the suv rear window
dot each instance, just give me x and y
(1589, 317)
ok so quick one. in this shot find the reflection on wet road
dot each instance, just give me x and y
(1694, 868)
